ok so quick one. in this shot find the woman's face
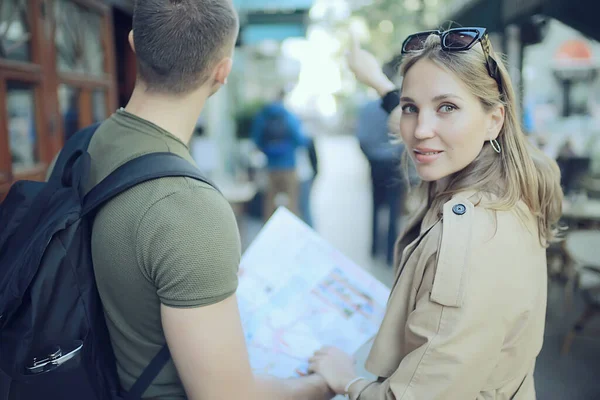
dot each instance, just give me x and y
(443, 125)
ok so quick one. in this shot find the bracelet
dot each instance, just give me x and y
(390, 101)
(352, 382)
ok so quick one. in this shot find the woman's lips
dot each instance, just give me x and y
(426, 155)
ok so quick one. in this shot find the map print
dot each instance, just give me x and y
(297, 294)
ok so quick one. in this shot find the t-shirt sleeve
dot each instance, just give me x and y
(188, 245)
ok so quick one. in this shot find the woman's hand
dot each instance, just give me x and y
(366, 68)
(335, 366)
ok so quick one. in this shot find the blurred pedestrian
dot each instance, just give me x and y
(386, 181)
(278, 133)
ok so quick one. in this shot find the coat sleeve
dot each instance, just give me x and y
(455, 325)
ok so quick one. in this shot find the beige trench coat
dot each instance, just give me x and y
(465, 319)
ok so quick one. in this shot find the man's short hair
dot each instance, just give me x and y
(177, 42)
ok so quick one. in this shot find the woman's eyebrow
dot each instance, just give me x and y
(437, 98)
(446, 96)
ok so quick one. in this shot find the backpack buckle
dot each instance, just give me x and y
(55, 358)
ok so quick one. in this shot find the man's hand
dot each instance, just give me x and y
(366, 68)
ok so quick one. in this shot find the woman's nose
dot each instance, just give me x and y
(425, 126)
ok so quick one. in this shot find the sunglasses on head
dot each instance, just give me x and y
(457, 39)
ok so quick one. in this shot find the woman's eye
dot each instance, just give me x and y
(409, 109)
(447, 108)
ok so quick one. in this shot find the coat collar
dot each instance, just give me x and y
(426, 218)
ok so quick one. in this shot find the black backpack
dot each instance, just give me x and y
(54, 343)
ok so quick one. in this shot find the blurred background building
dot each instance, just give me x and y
(65, 64)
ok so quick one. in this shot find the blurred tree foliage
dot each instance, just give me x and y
(378, 14)
(389, 22)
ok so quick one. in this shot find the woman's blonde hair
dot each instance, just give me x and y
(520, 171)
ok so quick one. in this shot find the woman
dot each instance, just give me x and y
(465, 319)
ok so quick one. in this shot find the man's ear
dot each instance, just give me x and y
(222, 70)
(131, 43)
(496, 122)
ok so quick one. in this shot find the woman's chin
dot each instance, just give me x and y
(429, 176)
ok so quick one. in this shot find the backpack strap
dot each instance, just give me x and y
(144, 168)
(152, 370)
(76, 145)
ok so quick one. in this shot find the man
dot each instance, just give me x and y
(277, 133)
(384, 160)
(166, 252)
(306, 170)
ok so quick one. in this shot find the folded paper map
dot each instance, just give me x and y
(297, 293)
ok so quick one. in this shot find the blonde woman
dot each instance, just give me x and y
(465, 319)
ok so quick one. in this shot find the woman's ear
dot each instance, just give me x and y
(496, 122)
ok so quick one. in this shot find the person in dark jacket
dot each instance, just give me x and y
(383, 156)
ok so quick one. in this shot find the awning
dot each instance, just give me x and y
(272, 5)
(272, 19)
(496, 14)
(578, 14)
(257, 33)
(581, 15)
(484, 13)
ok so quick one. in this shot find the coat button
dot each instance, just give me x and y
(459, 209)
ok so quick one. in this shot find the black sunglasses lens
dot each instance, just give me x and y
(415, 42)
(460, 40)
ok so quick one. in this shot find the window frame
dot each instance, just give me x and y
(42, 72)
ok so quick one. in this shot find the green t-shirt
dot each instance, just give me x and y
(173, 241)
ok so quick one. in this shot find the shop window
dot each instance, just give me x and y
(15, 36)
(22, 133)
(78, 39)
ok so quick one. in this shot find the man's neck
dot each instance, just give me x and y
(177, 114)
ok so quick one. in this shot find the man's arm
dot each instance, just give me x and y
(209, 351)
(366, 68)
(296, 126)
(307, 387)
(188, 245)
(256, 129)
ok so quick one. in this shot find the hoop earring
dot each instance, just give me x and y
(496, 146)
